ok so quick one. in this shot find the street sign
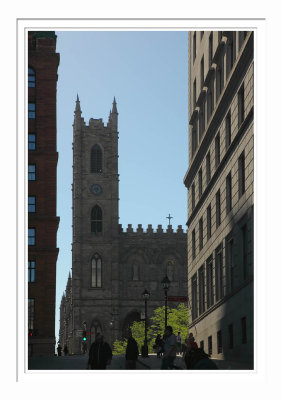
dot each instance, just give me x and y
(180, 299)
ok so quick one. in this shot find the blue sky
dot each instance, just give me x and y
(147, 72)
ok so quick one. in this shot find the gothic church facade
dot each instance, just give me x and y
(111, 267)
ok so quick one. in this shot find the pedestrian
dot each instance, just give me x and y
(178, 341)
(190, 344)
(169, 349)
(197, 359)
(59, 350)
(132, 352)
(100, 354)
(66, 350)
(159, 343)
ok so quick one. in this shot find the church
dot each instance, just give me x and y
(112, 265)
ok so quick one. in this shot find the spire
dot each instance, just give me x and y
(114, 107)
(114, 116)
(77, 105)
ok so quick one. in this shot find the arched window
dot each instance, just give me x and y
(170, 269)
(31, 77)
(135, 275)
(96, 159)
(96, 271)
(96, 219)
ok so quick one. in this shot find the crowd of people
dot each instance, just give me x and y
(167, 347)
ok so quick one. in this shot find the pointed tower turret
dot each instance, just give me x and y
(77, 113)
(114, 116)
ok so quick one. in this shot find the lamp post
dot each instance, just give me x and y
(146, 296)
(165, 282)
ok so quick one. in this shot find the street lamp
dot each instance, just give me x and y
(165, 282)
(146, 296)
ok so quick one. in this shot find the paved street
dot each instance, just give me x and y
(79, 362)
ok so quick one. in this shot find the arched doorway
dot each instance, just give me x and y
(96, 327)
(128, 321)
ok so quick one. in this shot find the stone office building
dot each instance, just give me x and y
(111, 267)
(43, 62)
(220, 182)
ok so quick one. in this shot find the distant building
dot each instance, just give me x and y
(112, 267)
(220, 182)
(43, 222)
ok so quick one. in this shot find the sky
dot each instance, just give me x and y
(147, 73)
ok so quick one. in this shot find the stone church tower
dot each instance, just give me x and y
(112, 268)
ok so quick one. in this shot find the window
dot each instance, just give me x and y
(210, 345)
(208, 167)
(194, 139)
(230, 52)
(31, 110)
(96, 159)
(230, 336)
(193, 196)
(31, 141)
(194, 93)
(194, 46)
(31, 204)
(135, 275)
(210, 103)
(210, 296)
(242, 37)
(31, 236)
(193, 244)
(32, 172)
(30, 313)
(219, 36)
(31, 271)
(202, 119)
(219, 79)
(200, 181)
(243, 330)
(218, 209)
(219, 342)
(218, 274)
(217, 150)
(31, 77)
(194, 297)
(96, 271)
(241, 105)
(228, 193)
(228, 130)
(201, 233)
(208, 222)
(245, 250)
(202, 34)
(202, 344)
(96, 220)
(202, 71)
(210, 48)
(241, 174)
(230, 263)
(201, 290)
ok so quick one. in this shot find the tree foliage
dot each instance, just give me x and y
(177, 318)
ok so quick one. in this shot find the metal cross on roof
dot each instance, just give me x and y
(169, 218)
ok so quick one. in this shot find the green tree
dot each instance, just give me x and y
(177, 318)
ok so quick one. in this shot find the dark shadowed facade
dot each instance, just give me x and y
(220, 182)
(43, 222)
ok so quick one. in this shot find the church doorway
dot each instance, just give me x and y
(128, 321)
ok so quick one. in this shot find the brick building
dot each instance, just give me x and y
(220, 182)
(43, 222)
(111, 267)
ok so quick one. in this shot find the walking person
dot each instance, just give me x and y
(159, 343)
(59, 350)
(169, 349)
(132, 352)
(178, 341)
(100, 354)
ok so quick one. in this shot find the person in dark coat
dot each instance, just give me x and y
(59, 350)
(159, 343)
(100, 354)
(197, 359)
(132, 352)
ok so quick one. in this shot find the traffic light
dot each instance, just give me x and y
(30, 332)
(84, 338)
